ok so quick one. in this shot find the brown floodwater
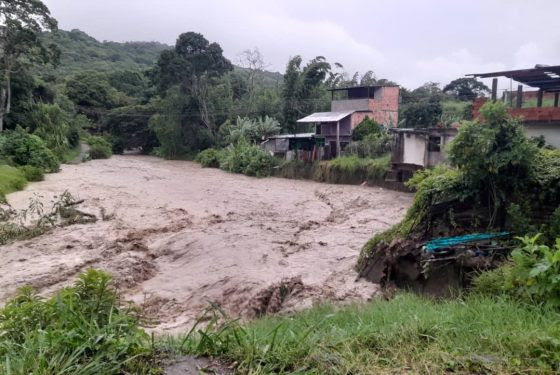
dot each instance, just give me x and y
(177, 237)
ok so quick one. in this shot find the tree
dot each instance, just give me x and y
(422, 114)
(494, 155)
(466, 89)
(303, 89)
(253, 62)
(365, 128)
(193, 64)
(21, 24)
(91, 89)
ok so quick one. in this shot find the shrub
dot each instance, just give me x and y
(21, 148)
(365, 128)
(247, 159)
(32, 173)
(249, 130)
(532, 275)
(209, 158)
(352, 170)
(11, 179)
(371, 146)
(80, 330)
(50, 123)
(100, 148)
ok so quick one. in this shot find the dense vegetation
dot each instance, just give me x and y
(82, 329)
(501, 181)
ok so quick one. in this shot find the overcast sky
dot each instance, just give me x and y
(408, 41)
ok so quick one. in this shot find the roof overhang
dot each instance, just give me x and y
(544, 77)
(325, 117)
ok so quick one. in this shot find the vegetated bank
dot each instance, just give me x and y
(501, 181)
(365, 160)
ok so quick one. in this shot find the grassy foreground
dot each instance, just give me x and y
(84, 329)
(408, 334)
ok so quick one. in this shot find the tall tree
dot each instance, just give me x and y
(21, 22)
(466, 88)
(193, 64)
(303, 88)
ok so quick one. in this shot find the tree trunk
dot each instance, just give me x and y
(5, 98)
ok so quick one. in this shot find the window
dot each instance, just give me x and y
(434, 144)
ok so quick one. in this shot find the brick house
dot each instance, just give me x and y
(349, 107)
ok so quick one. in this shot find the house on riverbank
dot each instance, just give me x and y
(542, 119)
(414, 149)
(349, 107)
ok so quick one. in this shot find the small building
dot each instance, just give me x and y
(540, 120)
(414, 149)
(302, 146)
(349, 107)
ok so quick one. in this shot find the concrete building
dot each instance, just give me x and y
(303, 146)
(414, 149)
(540, 120)
(349, 107)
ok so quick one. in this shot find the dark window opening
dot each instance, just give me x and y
(434, 144)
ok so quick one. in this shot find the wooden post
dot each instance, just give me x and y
(337, 138)
(539, 98)
(519, 102)
(556, 95)
(494, 89)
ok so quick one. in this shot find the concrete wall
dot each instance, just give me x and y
(414, 149)
(349, 105)
(551, 132)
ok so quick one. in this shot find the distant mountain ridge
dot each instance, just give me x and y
(80, 51)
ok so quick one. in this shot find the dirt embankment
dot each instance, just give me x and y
(177, 237)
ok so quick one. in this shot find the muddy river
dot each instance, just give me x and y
(177, 237)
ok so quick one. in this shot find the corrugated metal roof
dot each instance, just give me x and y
(298, 135)
(325, 116)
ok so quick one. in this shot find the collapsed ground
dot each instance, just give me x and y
(177, 237)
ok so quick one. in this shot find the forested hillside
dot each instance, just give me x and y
(79, 51)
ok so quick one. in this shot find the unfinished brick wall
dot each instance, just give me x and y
(542, 114)
(385, 110)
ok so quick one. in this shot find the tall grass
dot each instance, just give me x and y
(81, 330)
(342, 170)
(408, 334)
(11, 179)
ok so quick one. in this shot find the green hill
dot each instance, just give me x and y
(80, 52)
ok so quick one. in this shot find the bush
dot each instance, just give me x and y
(366, 128)
(80, 330)
(247, 159)
(352, 170)
(50, 123)
(21, 148)
(100, 148)
(209, 158)
(371, 146)
(32, 173)
(11, 179)
(532, 275)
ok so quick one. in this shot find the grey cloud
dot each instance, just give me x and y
(408, 41)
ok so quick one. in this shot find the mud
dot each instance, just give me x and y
(176, 237)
